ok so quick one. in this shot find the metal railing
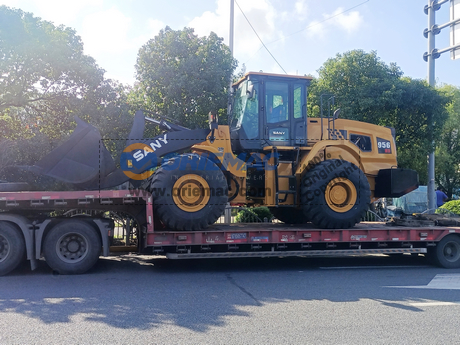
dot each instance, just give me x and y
(247, 215)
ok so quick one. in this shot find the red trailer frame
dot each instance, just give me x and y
(25, 211)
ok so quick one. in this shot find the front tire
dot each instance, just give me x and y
(72, 247)
(189, 193)
(12, 248)
(335, 194)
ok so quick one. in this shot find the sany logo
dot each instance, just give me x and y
(143, 152)
(127, 163)
(132, 159)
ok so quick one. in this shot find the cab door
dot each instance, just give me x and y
(285, 113)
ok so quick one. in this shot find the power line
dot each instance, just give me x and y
(325, 20)
(260, 38)
(306, 28)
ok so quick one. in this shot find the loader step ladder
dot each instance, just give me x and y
(292, 179)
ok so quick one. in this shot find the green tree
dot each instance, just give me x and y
(448, 147)
(367, 89)
(362, 84)
(183, 76)
(45, 81)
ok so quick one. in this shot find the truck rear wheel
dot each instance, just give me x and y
(289, 215)
(189, 197)
(12, 248)
(335, 194)
(72, 247)
(447, 252)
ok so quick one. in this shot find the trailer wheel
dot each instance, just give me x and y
(189, 192)
(72, 247)
(448, 252)
(335, 194)
(12, 248)
(289, 215)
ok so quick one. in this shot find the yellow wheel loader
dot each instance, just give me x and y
(322, 170)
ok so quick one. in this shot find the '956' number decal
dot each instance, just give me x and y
(383, 145)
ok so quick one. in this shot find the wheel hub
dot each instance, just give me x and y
(191, 193)
(340, 195)
(72, 248)
(4, 248)
(452, 251)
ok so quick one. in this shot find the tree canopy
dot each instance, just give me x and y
(46, 79)
(367, 89)
(448, 147)
(183, 76)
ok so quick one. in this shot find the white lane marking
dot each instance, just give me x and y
(364, 267)
(439, 282)
(433, 304)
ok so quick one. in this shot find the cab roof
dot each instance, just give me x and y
(287, 76)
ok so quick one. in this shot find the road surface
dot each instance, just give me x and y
(131, 299)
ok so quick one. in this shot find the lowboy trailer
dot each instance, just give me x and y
(72, 229)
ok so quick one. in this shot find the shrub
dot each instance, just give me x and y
(452, 206)
(253, 215)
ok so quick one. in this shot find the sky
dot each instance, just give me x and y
(300, 34)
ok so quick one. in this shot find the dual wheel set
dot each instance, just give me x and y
(71, 246)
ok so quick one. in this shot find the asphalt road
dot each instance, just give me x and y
(142, 300)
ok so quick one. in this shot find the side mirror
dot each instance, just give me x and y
(336, 114)
(213, 120)
(250, 91)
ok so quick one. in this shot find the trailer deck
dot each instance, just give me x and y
(35, 217)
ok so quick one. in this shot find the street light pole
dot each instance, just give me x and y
(430, 56)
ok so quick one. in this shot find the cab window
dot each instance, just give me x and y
(363, 142)
(299, 101)
(277, 101)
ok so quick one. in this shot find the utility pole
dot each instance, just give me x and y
(230, 45)
(232, 18)
(228, 209)
(430, 57)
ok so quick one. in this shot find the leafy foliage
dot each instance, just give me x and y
(183, 76)
(253, 215)
(452, 206)
(448, 147)
(46, 80)
(367, 89)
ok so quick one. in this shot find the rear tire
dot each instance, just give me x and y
(335, 194)
(289, 215)
(72, 247)
(448, 252)
(12, 248)
(189, 197)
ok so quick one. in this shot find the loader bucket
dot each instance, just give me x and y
(81, 159)
(84, 160)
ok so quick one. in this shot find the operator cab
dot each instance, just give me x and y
(269, 110)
